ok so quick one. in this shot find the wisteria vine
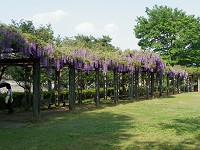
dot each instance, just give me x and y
(87, 60)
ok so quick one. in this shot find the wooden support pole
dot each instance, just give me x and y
(80, 86)
(184, 83)
(36, 89)
(142, 83)
(192, 83)
(97, 88)
(136, 85)
(72, 87)
(116, 87)
(152, 85)
(131, 94)
(173, 82)
(199, 83)
(160, 84)
(57, 87)
(156, 84)
(188, 84)
(147, 84)
(178, 84)
(167, 84)
(105, 88)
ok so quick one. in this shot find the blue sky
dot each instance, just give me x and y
(115, 18)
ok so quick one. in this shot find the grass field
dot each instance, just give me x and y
(166, 123)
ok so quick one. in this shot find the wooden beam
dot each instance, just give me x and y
(16, 62)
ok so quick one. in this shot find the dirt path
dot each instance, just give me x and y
(20, 119)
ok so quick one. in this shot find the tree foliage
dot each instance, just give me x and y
(89, 42)
(43, 33)
(171, 33)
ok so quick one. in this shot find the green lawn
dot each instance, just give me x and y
(165, 123)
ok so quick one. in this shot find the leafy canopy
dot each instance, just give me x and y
(170, 32)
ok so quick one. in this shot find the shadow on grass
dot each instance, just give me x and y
(185, 125)
(72, 130)
(182, 126)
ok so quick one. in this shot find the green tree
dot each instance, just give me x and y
(170, 32)
(43, 33)
(89, 42)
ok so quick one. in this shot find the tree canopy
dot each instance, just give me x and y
(171, 33)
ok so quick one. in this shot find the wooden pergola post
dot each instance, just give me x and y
(36, 89)
(131, 94)
(116, 87)
(57, 87)
(105, 88)
(72, 87)
(167, 84)
(173, 82)
(192, 83)
(187, 84)
(142, 91)
(80, 86)
(136, 85)
(178, 84)
(152, 84)
(199, 83)
(160, 84)
(147, 84)
(97, 88)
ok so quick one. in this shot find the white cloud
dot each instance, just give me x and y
(111, 28)
(49, 17)
(85, 28)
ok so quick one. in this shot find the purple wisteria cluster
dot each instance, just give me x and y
(10, 40)
(87, 60)
(176, 71)
(128, 61)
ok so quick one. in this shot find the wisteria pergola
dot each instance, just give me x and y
(16, 49)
